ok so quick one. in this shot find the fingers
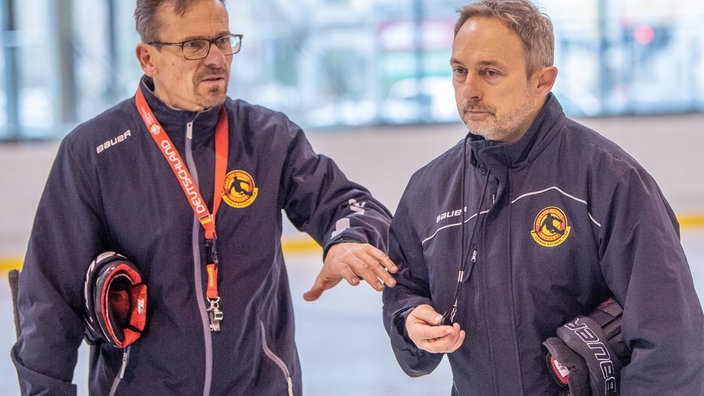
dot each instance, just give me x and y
(444, 344)
(381, 265)
(426, 314)
(357, 260)
(459, 340)
(352, 262)
(312, 294)
(321, 284)
(372, 265)
(349, 275)
(424, 330)
(381, 258)
(372, 273)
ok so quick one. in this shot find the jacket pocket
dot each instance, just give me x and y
(277, 360)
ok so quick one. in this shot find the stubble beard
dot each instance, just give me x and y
(213, 95)
(502, 127)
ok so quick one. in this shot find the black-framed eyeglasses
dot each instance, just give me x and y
(200, 48)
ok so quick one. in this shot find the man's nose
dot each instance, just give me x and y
(471, 87)
(215, 55)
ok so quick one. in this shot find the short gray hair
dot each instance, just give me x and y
(147, 21)
(530, 24)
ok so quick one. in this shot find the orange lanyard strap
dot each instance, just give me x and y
(188, 185)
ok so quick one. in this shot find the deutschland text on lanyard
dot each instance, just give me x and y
(206, 218)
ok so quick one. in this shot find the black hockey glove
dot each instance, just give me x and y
(568, 368)
(115, 300)
(588, 352)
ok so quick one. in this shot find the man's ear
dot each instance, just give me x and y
(144, 56)
(546, 78)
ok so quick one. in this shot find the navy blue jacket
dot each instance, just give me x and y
(110, 188)
(559, 221)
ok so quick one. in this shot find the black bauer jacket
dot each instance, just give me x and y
(110, 188)
(567, 219)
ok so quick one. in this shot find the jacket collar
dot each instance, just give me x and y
(487, 154)
(174, 121)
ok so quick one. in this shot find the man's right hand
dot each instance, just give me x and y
(425, 329)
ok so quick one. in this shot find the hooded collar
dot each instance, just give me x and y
(174, 121)
(487, 153)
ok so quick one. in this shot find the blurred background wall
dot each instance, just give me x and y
(332, 63)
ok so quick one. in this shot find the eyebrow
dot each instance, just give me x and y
(221, 34)
(455, 61)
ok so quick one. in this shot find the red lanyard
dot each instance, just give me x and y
(188, 185)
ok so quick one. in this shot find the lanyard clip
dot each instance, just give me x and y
(215, 314)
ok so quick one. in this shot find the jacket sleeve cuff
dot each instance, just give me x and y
(414, 361)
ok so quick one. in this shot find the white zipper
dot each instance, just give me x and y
(271, 355)
(121, 373)
(208, 341)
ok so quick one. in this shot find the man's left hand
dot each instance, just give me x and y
(352, 262)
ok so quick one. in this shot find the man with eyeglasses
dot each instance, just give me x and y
(188, 185)
(521, 230)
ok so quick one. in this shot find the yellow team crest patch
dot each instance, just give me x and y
(239, 189)
(550, 227)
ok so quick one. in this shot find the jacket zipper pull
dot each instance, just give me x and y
(125, 359)
(189, 130)
(466, 273)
